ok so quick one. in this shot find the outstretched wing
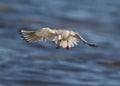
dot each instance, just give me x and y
(39, 35)
(76, 35)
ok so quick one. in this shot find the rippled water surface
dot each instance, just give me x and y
(41, 64)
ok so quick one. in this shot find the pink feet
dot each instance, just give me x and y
(67, 48)
(58, 46)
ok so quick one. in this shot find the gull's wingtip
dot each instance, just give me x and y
(92, 45)
(20, 31)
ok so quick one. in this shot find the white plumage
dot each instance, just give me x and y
(63, 38)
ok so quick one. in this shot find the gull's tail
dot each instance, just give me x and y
(30, 36)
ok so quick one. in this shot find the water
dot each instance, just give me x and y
(40, 64)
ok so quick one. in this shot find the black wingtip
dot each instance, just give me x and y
(21, 35)
(92, 45)
(19, 31)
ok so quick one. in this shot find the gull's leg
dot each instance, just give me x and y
(58, 44)
(67, 48)
(59, 40)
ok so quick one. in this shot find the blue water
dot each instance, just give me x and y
(41, 64)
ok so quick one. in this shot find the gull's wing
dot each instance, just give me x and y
(78, 37)
(39, 35)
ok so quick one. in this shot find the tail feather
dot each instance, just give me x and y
(30, 36)
(63, 44)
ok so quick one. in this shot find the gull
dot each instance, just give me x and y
(63, 38)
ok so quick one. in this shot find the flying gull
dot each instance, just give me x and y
(63, 38)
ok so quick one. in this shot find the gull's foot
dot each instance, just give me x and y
(58, 46)
(67, 48)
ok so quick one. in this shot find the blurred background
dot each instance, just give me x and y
(41, 64)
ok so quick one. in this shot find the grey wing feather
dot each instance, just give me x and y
(46, 34)
(39, 35)
(29, 35)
